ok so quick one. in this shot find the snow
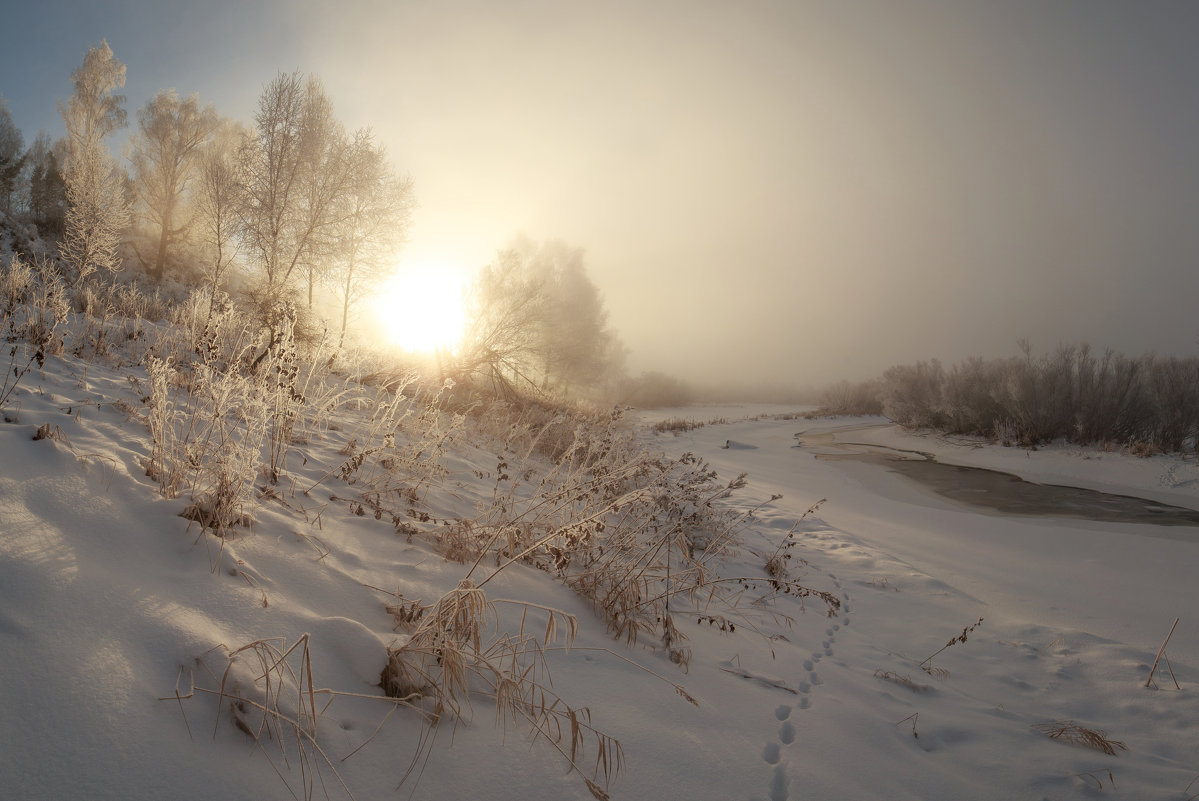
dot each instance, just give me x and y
(110, 602)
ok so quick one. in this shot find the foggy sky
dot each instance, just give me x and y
(787, 191)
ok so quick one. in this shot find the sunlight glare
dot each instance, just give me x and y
(420, 309)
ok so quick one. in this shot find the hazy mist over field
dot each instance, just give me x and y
(787, 192)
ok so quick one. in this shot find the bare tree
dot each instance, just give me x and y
(171, 133)
(506, 310)
(218, 196)
(98, 210)
(537, 319)
(286, 210)
(576, 344)
(373, 223)
(323, 186)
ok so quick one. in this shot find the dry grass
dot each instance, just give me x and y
(1161, 652)
(576, 495)
(677, 425)
(1091, 779)
(905, 681)
(456, 652)
(778, 562)
(46, 431)
(638, 535)
(914, 717)
(926, 664)
(33, 307)
(1070, 732)
(271, 696)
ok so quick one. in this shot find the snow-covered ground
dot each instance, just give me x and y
(110, 603)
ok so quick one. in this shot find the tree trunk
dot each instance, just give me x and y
(345, 305)
(160, 260)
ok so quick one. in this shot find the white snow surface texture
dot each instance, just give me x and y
(110, 603)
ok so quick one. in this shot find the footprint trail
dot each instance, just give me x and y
(774, 752)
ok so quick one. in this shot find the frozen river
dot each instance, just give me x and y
(999, 491)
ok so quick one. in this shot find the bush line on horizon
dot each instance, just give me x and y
(1147, 404)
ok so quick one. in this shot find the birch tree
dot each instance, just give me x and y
(373, 223)
(218, 197)
(537, 319)
(286, 211)
(323, 185)
(171, 133)
(98, 212)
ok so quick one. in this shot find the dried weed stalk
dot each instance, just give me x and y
(1070, 732)
(456, 651)
(633, 532)
(777, 562)
(926, 664)
(271, 697)
(905, 681)
(33, 306)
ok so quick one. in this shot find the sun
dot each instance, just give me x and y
(420, 309)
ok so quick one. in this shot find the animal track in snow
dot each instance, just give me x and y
(772, 753)
(778, 784)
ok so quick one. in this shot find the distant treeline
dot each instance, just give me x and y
(1147, 403)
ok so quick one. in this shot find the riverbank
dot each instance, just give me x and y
(1073, 614)
(1170, 479)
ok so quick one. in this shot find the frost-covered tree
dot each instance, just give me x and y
(166, 148)
(323, 186)
(537, 318)
(98, 210)
(218, 195)
(576, 344)
(506, 311)
(286, 211)
(376, 206)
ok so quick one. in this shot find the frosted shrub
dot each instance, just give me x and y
(844, 398)
(635, 533)
(16, 286)
(400, 450)
(34, 307)
(207, 428)
(912, 394)
(280, 375)
(1146, 404)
